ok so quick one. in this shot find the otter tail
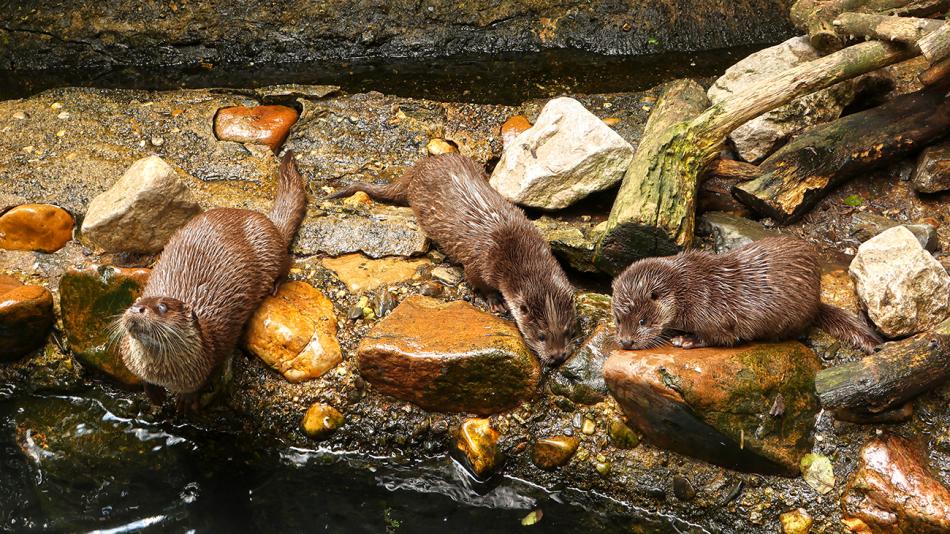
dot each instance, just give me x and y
(396, 192)
(847, 326)
(291, 203)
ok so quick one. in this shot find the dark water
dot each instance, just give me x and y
(74, 464)
(501, 79)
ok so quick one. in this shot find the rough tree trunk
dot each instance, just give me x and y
(802, 172)
(936, 46)
(906, 30)
(889, 378)
(816, 16)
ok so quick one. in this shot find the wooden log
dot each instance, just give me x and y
(715, 191)
(887, 379)
(936, 46)
(655, 210)
(802, 172)
(816, 16)
(906, 30)
(936, 73)
(730, 169)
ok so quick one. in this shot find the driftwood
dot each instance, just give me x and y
(906, 30)
(816, 17)
(935, 73)
(936, 46)
(889, 378)
(802, 172)
(666, 169)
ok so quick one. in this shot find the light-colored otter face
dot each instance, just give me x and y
(162, 326)
(548, 322)
(644, 304)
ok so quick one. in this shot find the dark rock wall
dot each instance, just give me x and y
(36, 34)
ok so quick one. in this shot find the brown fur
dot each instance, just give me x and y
(498, 246)
(766, 290)
(212, 275)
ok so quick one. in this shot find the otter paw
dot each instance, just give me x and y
(686, 342)
(496, 303)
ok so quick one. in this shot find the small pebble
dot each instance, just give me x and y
(157, 141)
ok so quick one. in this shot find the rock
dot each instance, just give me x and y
(757, 138)
(90, 300)
(622, 436)
(294, 332)
(385, 303)
(513, 127)
(448, 275)
(568, 154)
(448, 357)
(321, 420)
(440, 146)
(683, 489)
(796, 522)
(818, 472)
(866, 225)
(477, 442)
(361, 274)
(893, 491)
(553, 452)
(581, 377)
(141, 211)
(716, 404)
(357, 200)
(378, 232)
(904, 289)
(572, 242)
(932, 174)
(26, 316)
(730, 232)
(39, 227)
(261, 125)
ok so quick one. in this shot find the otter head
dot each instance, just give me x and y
(162, 325)
(547, 320)
(644, 303)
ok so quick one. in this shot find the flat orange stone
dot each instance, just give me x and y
(26, 316)
(39, 227)
(513, 127)
(263, 125)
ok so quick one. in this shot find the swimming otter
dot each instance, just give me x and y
(769, 289)
(212, 275)
(501, 251)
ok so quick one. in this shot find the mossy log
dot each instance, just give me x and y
(655, 210)
(802, 172)
(906, 30)
(889, 378)
(816, 17)
(729, 169)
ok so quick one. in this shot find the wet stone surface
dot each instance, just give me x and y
(39, 227)
(26, 316)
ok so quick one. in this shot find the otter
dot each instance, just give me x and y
(501, 251)
(765, 290)
(211, 276)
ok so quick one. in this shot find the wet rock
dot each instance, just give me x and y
(361, 274)
(759, 137)
(730, 232)
(39, 227)
(893, 491)
(321, 421)
(90, 300)
(622, 436)
(716, 403)
(261, 125)
(448, 357)
(581, 376)
(866, 225)
(440, 146)
(448, 275)
(26, 316)
(142, 210)
(572, 242)
(904, 289)
(385, 303)
(381, 231)
(553, 452)
(818, 472)
(796, 522)
(683, 489)
(513, 127)
(932, 174)
(568, 154)
(477, 442)
(294, 332)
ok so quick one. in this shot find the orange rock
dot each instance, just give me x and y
(263, 125)
(611, 121)
(294, 332)
(360, 273)
(26, 316)
(440, 146)
(513, 127)
(553, 452)
(321, 420)
(40, 227)
(477, 441)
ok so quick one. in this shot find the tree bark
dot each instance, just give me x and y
(816, 16)
(906, 30)
(936, 46)
(889, 378)
(729, 169)
(802, 172)
(935, 73)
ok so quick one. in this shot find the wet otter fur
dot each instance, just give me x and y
(501, 251)
(212, 275)
(766, 290)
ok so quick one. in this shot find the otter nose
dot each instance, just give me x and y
(138, 309)
(627, 344)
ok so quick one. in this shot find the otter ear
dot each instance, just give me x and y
(654, 295)
(194, 316)
(523, 308)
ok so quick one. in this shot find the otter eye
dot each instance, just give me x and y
(162, 308)
(643, 322)
(541, 337)
(654, 295)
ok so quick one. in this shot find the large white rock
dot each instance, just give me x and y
(903, 287)
(568, 154)
(760, 136)
(141, 211)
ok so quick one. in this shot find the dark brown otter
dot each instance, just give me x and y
(501, 251)
(768, 290)
(212, 275)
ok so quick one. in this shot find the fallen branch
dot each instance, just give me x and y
(816, 16)
(728, 169)
(936, 46)
(935, 73)
(906, 30)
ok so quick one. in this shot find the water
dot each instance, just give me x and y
(74, 464)
(500, 79)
